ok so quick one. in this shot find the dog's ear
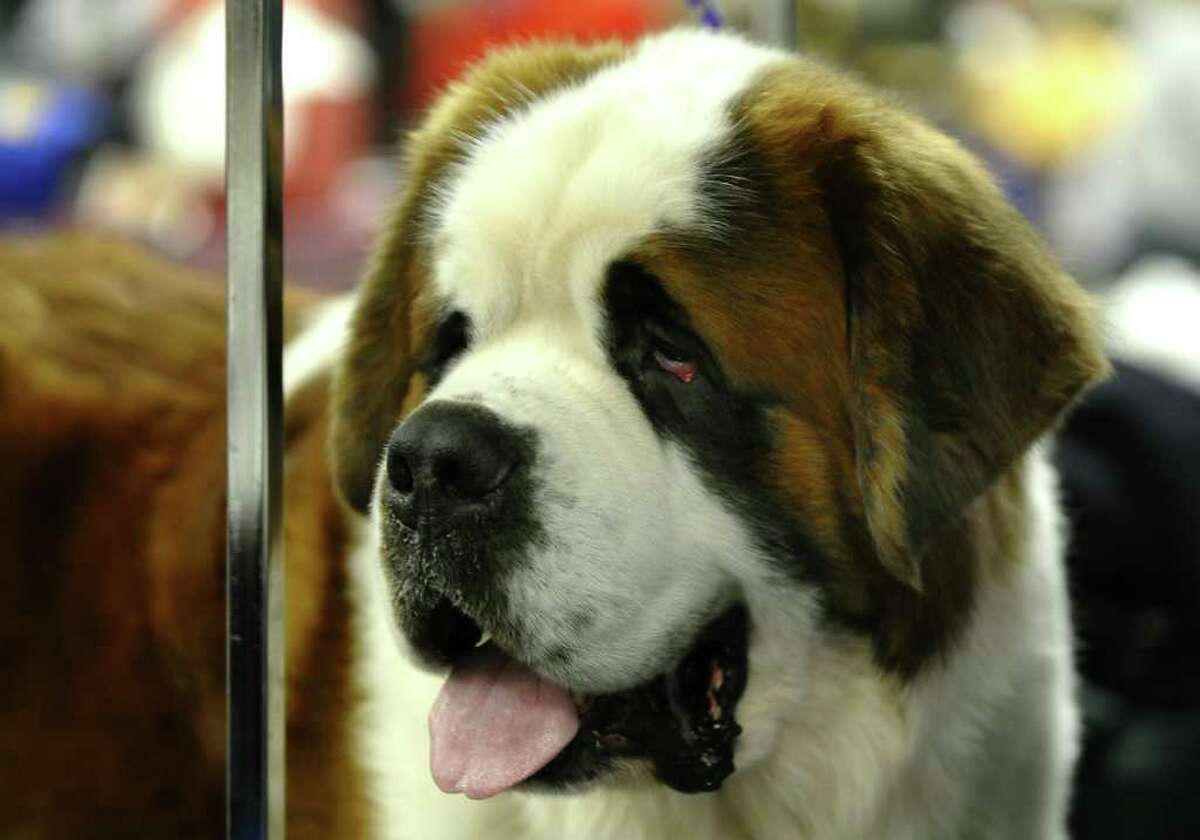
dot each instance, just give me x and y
(377, 373)
(378, 361)
(966, 340)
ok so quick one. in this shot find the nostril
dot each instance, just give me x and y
(448, 473)
(398, 470)
(472, 471)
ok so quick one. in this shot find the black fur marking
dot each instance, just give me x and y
(739, 196)
(724, 429)
(683, 722)
(451, 337)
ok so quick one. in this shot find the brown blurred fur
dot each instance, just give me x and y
(112, 542)
(916, 336)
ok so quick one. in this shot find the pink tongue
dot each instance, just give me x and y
(494, 724)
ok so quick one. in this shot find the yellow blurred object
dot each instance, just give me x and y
(1045, 101)
(21, 107)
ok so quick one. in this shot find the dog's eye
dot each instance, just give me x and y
(450, 339)
(673, 362)
(682, 370)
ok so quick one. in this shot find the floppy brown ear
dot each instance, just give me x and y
(377, 363)
(967, 341)
(378, 366)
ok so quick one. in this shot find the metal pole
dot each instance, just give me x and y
(254, 560)
(774, 22)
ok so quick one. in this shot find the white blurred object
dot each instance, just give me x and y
(991, 29)
(1153, 317)
(152, 200)
(83, 40)
(179, 93)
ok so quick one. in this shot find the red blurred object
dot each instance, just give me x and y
(347, 11)
(447, 40)
(336, 133)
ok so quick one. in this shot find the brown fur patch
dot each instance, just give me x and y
(394, 309)
(966, 334)
(783, 338)
(916, 333)
(112, 540)
(967, 341)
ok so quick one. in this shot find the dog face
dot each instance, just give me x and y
(675, 361)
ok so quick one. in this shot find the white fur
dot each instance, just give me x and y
(998, 726)
(1152, 315)
(831, 748)
(598, 166)
(309, 352)
(635, 541)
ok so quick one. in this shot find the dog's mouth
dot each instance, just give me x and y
(497, 724)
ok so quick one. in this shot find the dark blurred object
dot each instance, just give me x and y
(1130, 463)
(9, 10)
(385, 26)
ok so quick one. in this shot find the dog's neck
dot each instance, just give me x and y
(872, 756)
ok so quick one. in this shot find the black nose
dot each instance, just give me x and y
(447, 457)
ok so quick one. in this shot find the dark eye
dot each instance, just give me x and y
(684, 371)
(674, 361)
(449, 340)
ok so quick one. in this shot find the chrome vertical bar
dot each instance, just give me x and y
(254, 583)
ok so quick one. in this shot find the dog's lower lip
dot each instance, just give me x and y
(683, 721)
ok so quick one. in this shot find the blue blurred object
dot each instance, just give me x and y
(710, 15)
(1021, 185)
(43, 129)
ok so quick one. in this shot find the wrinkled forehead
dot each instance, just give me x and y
(547, 198)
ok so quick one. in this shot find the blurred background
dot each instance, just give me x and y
(1088, 112)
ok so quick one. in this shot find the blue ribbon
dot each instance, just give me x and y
(710, 16)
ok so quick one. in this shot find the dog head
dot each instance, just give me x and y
(674, 351)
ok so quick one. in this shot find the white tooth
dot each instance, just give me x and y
(484, 639)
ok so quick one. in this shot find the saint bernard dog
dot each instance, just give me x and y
(689, 433)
